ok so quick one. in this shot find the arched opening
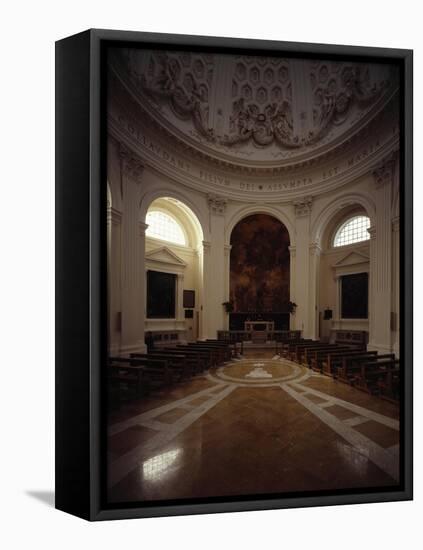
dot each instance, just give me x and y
(259, 272)
(174, 272)
(164, 227)
(353, 230)
(344, 276)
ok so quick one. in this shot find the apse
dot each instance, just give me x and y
(260, 265)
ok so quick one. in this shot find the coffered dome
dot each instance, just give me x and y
(255, 111)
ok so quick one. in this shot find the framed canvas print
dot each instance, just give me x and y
(234, 274)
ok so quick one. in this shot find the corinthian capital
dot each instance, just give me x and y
(303, 206)
(217, 204)
(384, 171)
(132, 165)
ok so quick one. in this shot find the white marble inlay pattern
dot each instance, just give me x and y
(360, 411)
(151, 413)
(386, 459)
(119, 468)
(259, 372)
(297, 373)
(356, 420)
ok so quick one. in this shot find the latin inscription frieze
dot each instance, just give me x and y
(273, 186)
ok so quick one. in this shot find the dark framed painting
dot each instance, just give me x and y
(161, 291)
(233, 274)
(189, 298)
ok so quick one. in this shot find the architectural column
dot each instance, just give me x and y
(381, 261)
(142, 227)
(292, 286)
(313, 312)
(395, 321)
(302, 267)
(114, 226)
(133, 304)
(371, 309)
(199, 300)
(214, 272)
(205, 298)
(227, 275)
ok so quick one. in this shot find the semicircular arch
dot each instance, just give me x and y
(347, 202)
(259, 209)
(191, 210)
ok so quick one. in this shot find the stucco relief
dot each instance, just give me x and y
(384, 171)
(303, 206)
(243, 106)
(132, 165)
(217, 204)
(356, 155)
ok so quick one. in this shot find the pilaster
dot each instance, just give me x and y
(395, 320)
(215, 274)
(133, 305)
(227, 274)
(381, 259)
(114, 228)
(314, 270)
(300, 264)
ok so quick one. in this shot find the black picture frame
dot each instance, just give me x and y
(161, 290)
(355, 296)
(81, 305)
(189, 314)
(189, 299)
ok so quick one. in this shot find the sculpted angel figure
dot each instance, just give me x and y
(242, 122)
(164, 83)
(283, 128)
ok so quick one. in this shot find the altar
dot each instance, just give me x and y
(260, 331)
(262, 326)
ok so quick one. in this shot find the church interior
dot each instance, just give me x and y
(253, 249)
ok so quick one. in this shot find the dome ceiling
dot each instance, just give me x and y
(261, 111)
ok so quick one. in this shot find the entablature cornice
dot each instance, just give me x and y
(231, 159)
(284, 184)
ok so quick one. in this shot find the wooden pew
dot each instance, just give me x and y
(230, 349)
(286, 348)
(156, 368)
(216, 354)
(316, 358)
(223, 352)
(179, 364)
(130, 378)
(370, 373)
(389, 385)
(310, 353)
(300, 353)
(198, 360)
(351, 365)
(294, 350)
(139, 376)
(233, 338)
(282, 346)
(333, 360)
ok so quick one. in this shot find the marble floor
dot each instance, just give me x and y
(258, 425)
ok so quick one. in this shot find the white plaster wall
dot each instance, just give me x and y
(190, 281)
(307, 218)
(329, 298)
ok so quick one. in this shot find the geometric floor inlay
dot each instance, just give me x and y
(367, 433)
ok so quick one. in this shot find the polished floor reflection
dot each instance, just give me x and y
(256, 425)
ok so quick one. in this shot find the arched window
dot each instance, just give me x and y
(164, 227)
(353, 230)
